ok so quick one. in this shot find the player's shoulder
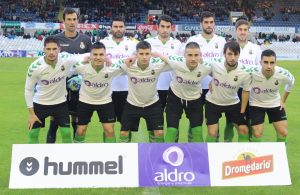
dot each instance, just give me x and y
(174, 40)
(219, 38)
(35, 66)
(156, 61)
(106, 39)
(282, 72)
(249, 69)
(83, 36)
(176, 58)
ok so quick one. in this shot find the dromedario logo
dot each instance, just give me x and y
(247, 164)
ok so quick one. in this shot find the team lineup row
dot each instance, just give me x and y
(47, 77)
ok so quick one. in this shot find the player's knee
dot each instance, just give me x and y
(257, 134)
(283, 133)
(243, 129)
(158, 133)
(124, 133)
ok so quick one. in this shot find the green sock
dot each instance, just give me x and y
(125, 139)
(171, 135)
(79, 138)
(65, 134)
(159, 139)
(151, 136)
(228, 132)
(34, 136)
(196, 134)
(211, 139)
(243, 138)
(109, 139)
(256, 139)
(282, 139)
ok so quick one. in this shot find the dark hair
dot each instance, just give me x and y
(51, 39)
(240, 21)
(143, 45)
(68, 11)
(206, 14)
(166, 18)
(98, 45)
(192, 45)
(117, 19)
(268, 53)
(232, 46)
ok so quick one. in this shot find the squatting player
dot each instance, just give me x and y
(265, 97)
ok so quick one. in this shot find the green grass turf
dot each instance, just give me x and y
(14, 131)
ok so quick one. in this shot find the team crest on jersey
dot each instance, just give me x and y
(82, 46)
(199, 74)
(276, 82)
(106, 75)
(126, 47)
(250, 52)
(236, 78)
(216, 46)
(63, 68)
(172, 46)
(152, 72)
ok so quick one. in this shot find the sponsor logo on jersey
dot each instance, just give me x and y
(53, 81)
(247, 164)
(224, 84)
(135, 80)
(258, 90)
(188, 82)
(246, 62)
(116, 56)
(95, 85)
(210, 55)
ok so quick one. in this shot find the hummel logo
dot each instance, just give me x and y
(29, 166)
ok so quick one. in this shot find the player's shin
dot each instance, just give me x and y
(65, 134)
(171, 135)
(34, 136)
(228, 132)
(196, 135)
(51, 136)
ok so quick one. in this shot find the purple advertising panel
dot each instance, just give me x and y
(173, 165)
(12, 53)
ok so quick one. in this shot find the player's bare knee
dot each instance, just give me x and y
(257, 134)
(159, 133)
(124, 133)
(243, 129)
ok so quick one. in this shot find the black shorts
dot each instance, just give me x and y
(58, 111)
(163, 94)
(232, 112)
(204, 92)
(175, 106)
(153, 115)
(119, 100)
(73, 99)
(105, 113)
(257, 115)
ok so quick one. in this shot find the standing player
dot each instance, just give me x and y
(250, 55)
(166, 45)
(143, 100)
(118, 46)
(76, 43)
(185, 93)
(211, 45)
(47, 76)
(228, 77)
(265, 97)
(95, 94)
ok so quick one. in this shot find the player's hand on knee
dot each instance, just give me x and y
(31, 120)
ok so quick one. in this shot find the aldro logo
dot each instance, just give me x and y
(247, 164)
(173, 157)
(30, 166)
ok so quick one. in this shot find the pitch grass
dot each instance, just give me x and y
(13, 122)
